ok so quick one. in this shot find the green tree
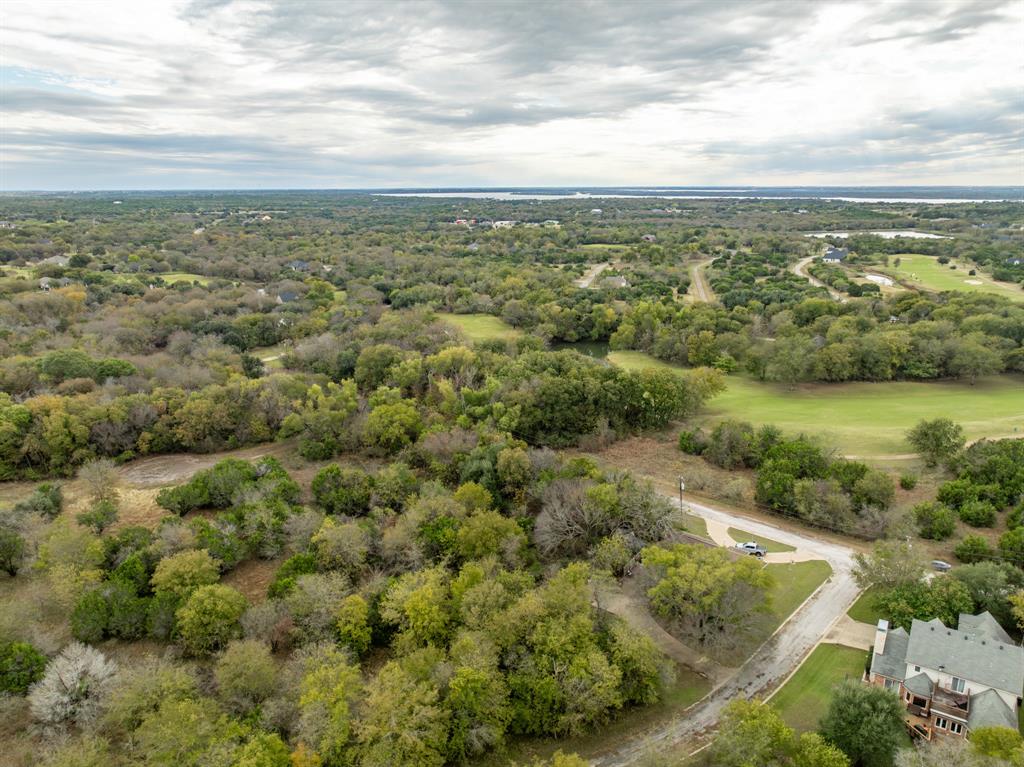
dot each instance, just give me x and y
(974, 548)
(866, 722)
(210, 619)
(245, 674)
(393, 426)
(353, 624)
(181, 574)
(890, 563)
(720, 603)
(99, 517)
(404, 721)
(937, 440)
(12, 551)
(21, 666)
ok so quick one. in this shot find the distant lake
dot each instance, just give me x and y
(596, 349)
(890, 234)
(927, 195)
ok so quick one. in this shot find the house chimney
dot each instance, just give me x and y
(881, 630)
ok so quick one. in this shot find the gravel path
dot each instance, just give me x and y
(700, 289)
(800, 270)
(770, 664)
(591, 274)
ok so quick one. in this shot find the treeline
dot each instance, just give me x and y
(905, 337)
(388, 395)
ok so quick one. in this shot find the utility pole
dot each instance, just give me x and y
(682, 487)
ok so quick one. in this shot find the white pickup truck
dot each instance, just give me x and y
(753, 548)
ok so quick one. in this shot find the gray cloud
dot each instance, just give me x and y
(436, 89)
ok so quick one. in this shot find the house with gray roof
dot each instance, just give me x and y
(834, 255)
(951, 680)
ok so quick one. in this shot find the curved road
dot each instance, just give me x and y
(770, 664)
(800, 270)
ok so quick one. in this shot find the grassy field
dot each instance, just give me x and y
(480, 327)
(696, 525)
(805, 697)
(929, 274)
(863, 610)
(866, 419)
(793, 584)
(173, 277)
(773, 547)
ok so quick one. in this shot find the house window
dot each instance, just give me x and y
(917, 668)
(920, 702)
(941, 723)
(958, 684)
(956, 728)
(890, 683)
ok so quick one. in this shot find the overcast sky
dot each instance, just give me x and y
(223, 94)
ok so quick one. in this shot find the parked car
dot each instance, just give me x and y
(940, 566)
(753, 548)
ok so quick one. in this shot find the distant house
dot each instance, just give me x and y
(45, 283)
(461, 222)
(298, 265)
(835, 255)
(649, 238)
(551, 222)
(615, 282)
(1015, 261)
(473, 246)
(6, 225)
(596, 212)
(951, 681)
(287, 296)
(504, 224)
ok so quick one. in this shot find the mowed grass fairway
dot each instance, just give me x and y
(804, 699)
(173, 277)
(863, 419)
(480, 327)
(928, 273)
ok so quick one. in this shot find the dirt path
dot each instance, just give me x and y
(771, 663)
(160, 470)
(800, 270)
(590, 275)
(700, 289)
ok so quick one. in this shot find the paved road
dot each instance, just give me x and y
(800, 270)
(700, 290)
(771, 664)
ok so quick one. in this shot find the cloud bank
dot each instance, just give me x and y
(251, 93)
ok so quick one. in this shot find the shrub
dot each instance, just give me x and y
(184, 498)
(21, 666)
(12, 551)
(210, 619)
(908, 481)
(957, 492)
(73, 687)
(973, 548)
(935, 520)
(90, 617)
(978, 513)
(289, 571)
(98, 518)
(692, 442)
(245, 674)
(342, 491)
(47, 500)
(936, 440)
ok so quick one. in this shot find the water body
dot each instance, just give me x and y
(891, 234)
(926, 195)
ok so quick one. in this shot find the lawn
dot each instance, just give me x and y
(863, 609)
(928, 273)
(793, 584)
(864, 419)
(480, 327)
(804, 699)
(773, 547)
(696, 525)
